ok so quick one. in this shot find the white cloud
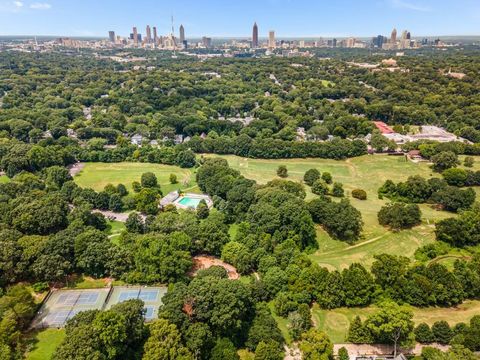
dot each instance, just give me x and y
(16, 6)
(11, 6)
(40, 6)
(401, 4)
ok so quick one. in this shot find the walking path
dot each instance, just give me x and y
(355, 350)
(74, 169)
(122, 217)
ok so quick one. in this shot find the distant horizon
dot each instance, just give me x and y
(243, 37)
(235, 18)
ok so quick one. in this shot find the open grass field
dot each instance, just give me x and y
(368, 173)
(43, 343)
(97, 175)
(336, 322)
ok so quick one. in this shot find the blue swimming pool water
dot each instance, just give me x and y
(189, 202)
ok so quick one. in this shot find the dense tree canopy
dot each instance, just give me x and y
(61, 107)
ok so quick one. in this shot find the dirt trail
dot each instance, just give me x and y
(122, 217)
(353, 168)
(75, 169)
(355, 246)
(292, 353)
(204, 262)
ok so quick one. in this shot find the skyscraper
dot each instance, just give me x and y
(111, 36)
(271, 39)
(182, 34)
(350, 43)
(135, 36)
(378, 41)
(207, 42)
(155, 36)
(148, 37)
(255, 36)
(393, 37)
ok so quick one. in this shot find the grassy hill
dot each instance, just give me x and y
(368, 173)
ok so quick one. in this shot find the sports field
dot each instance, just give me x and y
(336, 322)
(97, 175)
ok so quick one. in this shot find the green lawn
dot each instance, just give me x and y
(365, 172)
(86, 282)
(282, 324)
(336, 322)
(115, 230)
(43, 344)
(97, 175)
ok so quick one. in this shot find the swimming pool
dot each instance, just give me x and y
(189, 202)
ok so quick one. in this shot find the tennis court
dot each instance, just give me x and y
(151, 296)
(62, 305)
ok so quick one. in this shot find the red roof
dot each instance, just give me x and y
(384, 128)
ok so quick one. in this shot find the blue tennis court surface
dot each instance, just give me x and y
(148, 295)
(151, 296)
(87, 298)
(62, 305)
(128, 295)
(75, 298)
(149, 312)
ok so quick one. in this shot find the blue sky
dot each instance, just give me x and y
(219, 18)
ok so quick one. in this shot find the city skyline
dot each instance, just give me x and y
(214, 18)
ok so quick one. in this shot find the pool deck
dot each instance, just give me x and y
(175, 198)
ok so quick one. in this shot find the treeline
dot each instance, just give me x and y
(270, 148)
(428, 149)
(442, 333)
(393, 324)
(391, 277)
(434, 190)
(16, 156)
